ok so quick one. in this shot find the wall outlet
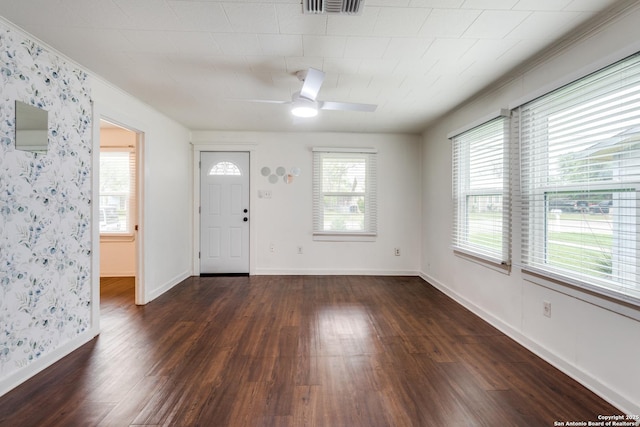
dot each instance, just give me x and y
(396, 251)
(546, 308)
(300, 250)
(272, 247)
(266, 194)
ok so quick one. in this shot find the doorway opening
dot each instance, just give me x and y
(119, 209)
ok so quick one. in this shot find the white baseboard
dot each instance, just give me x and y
(563, 365)
(155, 293)
(331, 272)
(14, 380)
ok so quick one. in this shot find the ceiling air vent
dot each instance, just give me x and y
(333, 7)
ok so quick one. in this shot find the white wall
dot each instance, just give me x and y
(117, 258)
(285, 220)
(585, 336)
(165, 213)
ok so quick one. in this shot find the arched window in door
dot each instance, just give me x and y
(225, 168)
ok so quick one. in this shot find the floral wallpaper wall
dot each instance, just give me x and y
(45, 206)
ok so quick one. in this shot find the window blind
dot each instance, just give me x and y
(481, 196)
(580, 176)
(344, 192)
(117, 190)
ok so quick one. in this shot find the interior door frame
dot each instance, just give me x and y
(213, 147)
(222, 201)
(141, 145)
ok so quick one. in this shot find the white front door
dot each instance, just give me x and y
(224, 214)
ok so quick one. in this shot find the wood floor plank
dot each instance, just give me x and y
(133, 402)
(296, 351)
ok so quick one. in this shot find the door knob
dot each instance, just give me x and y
(245, 219)
(246, 210)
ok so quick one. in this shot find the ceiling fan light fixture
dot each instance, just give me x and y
(304, 111)
(302, 107)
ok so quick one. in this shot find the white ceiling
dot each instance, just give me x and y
(196, 61)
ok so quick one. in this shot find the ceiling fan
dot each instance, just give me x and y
(304, 102)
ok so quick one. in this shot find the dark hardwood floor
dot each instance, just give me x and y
(297, 351)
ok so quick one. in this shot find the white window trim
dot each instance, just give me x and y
(621, 303)
(503, 262)
(346, 236)
(600, 292)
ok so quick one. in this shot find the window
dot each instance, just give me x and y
(344, 191)
(481, 191)
(117, 186)
(225, 168)
(580, 180)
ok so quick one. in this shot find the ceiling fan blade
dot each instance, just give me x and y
(347, 106)
(265, 101)
(312, 82)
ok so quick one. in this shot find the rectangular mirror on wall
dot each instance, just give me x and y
(32, 128)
